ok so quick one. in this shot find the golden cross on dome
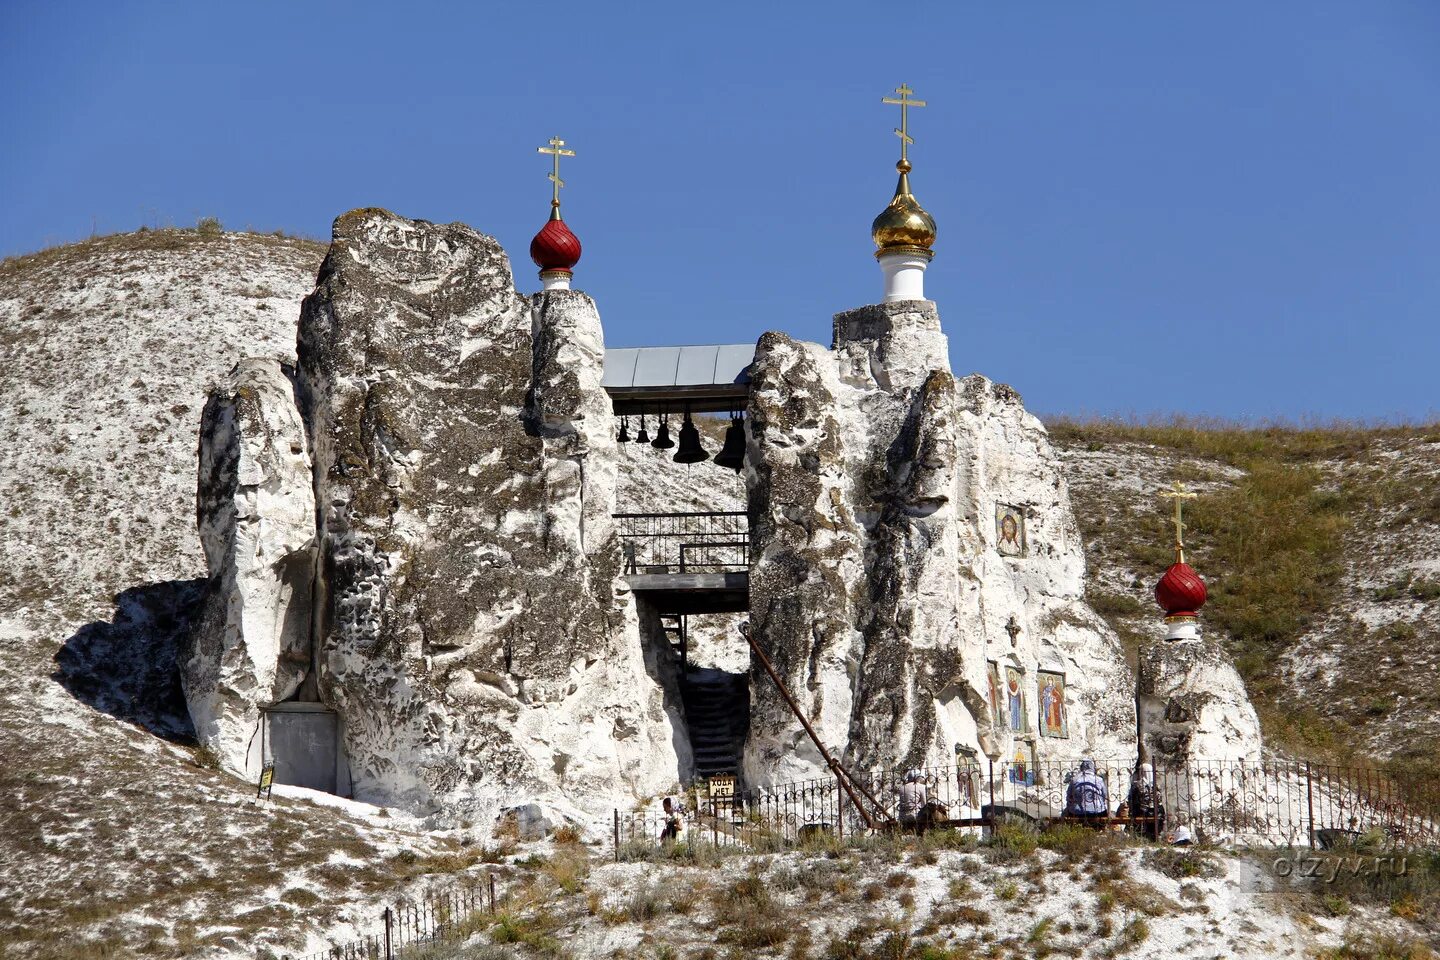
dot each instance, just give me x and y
(556, 150)
(1179, 494)
(904, 103)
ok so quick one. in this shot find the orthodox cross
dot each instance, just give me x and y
(1012, 628)
(904, 103)
(1179, 494)
(555, 150)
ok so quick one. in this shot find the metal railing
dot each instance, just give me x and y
(435, 917)
(694, 542)
(1267, 804)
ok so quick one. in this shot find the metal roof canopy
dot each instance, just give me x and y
(709, 379)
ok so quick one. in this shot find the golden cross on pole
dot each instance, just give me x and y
(904, 103)
(1179, 494)
(555, 150)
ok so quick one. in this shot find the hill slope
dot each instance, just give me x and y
(1322, 551)
(118, 834)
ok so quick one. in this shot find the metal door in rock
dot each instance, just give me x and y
(302, 740)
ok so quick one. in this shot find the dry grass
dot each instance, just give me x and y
(146, 239)
(1274, 543)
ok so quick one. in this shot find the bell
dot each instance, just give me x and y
(662, 439)
(690, 450)
(732, 455)
(644, 435)
(624, 430)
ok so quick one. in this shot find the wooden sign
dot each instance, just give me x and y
(267, 780)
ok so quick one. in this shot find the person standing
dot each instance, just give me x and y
(671, 833)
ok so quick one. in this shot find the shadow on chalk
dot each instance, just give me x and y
(129, 667)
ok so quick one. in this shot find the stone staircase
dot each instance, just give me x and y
(717, 712)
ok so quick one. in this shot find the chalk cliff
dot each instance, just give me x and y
(423, 542)
(887, 582)
(255, 506)
(470, 631)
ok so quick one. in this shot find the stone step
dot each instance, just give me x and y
(717, 708)
(715, 715)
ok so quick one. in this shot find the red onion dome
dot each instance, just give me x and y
(1180, 592)
(555, 247)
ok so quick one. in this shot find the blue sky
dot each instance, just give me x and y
(1221, 208)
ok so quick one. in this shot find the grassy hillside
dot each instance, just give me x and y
(1321, 547)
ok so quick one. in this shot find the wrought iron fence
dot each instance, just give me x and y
(403, 929)
(696, 542)
(1268, 804)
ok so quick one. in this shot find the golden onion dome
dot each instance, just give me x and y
(904, 224)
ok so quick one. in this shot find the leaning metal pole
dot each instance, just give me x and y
(847, 782)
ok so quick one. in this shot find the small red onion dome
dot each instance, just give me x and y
(555, 247)
(1181, 592)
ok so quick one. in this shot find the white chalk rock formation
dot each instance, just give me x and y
(256, 510)
(1199, 729)
(1193, 705)
(883, 582)
(471, 634)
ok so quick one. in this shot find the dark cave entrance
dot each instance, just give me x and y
(714, 691)
(702, 663)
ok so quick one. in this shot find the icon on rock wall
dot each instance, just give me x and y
(1015, 699)
(1051, 689)
(1022, 770)
(997, 708)
(967, 776)
(1009, 530)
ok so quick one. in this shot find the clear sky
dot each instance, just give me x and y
(1227, 208)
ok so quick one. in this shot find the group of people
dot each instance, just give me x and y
(1087, 799)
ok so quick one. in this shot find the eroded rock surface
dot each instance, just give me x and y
(251, 646)
(879, 587)
(472, 637)
(917, 575)
(454, 598)
(1193, 705)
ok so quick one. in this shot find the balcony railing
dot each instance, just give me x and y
(696, 542)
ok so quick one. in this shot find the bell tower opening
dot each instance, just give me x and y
(690, 574)
(685, 535)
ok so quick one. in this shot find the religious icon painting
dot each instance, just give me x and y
(1009, 530)
(1050, 691)
(967, 779)
(1014, 694)
(997, 706)
(1022, 767)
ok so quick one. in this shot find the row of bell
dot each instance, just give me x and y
(732, 453)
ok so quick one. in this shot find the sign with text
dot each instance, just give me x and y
(267, 780)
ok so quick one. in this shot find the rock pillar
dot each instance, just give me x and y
(251, 643)
(884, 585)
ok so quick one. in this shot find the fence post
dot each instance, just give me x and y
(389, 920)
(839, 808)
(1310, 803)
(992, 794)
(616, 835)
